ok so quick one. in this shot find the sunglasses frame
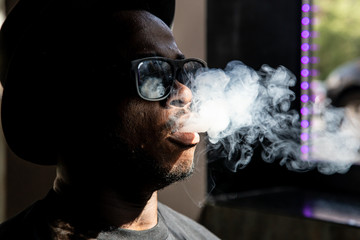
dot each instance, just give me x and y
(175, 64)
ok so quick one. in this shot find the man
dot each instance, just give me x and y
(98, 88)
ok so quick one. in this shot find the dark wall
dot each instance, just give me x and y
(254, 31)
(9, 4)
(25, 183)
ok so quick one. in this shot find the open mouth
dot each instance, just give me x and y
(185, 139)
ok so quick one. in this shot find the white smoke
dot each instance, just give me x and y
(241, 108)
(152, 88)
(335, 138)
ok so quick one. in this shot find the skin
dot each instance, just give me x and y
(121, 189)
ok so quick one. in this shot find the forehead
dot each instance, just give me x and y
(146, 35)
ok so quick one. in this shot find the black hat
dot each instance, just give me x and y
(25, 37)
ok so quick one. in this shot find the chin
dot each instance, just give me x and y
(176, 174)
(178, 169)
(153, 170)
(183, 165)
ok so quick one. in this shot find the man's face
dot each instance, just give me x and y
(148, 128)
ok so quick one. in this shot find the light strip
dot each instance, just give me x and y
(305, 77)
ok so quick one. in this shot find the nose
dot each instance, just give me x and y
(181, 96)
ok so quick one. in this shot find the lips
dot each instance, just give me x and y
(185, 139)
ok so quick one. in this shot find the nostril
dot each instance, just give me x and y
(180, 96)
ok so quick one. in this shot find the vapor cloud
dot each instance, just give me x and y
(240, 108)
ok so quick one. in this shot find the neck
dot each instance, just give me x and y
(103, 207)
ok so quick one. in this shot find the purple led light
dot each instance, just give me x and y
(305, 7)
(305, 21)
(305, 149)
(305, 123)
(304, 137)
(304, 111)
(305, 72)
(305, 59)
(305, 47)
(307, 211)
(305, 85)
(304, 98)
(305, 34)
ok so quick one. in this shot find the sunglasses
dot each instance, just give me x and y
(155, 76)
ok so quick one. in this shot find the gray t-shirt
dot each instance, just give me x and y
(171, 225)
(31, 224)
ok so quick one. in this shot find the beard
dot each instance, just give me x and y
(135, 165)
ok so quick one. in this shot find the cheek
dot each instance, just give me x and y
(142, 123)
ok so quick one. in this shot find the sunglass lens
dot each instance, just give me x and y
(154, 78)
(189, 71)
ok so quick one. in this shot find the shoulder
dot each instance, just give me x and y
(181, 226)
(14, 227)
(25, 225)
